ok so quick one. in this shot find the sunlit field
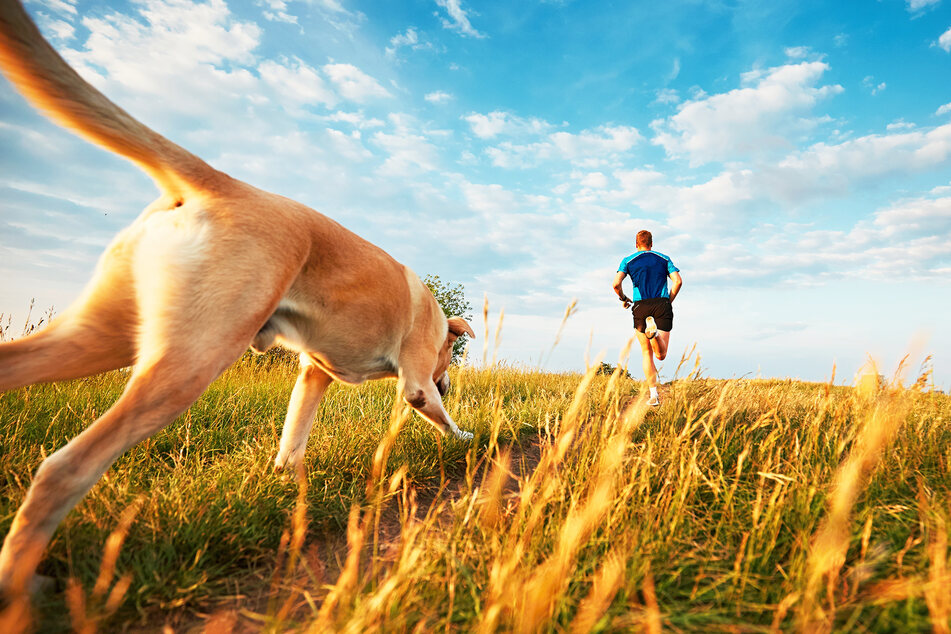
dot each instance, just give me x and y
(745, 505)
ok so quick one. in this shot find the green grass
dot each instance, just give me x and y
(701, 515)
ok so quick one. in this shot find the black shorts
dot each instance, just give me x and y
(659, 308)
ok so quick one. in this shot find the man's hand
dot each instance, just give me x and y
(677, 282)
(619, 288)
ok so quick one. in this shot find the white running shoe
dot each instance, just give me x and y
(654, 401)
(650, 329)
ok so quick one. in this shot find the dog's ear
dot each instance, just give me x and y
(459, 326)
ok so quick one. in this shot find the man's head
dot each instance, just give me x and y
(644, 239)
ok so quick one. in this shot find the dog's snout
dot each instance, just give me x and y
(443, 384)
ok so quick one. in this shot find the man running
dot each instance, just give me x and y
(653, 315)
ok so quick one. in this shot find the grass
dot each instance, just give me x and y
(745, 505)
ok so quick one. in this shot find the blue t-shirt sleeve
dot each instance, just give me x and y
(623, 267)
(670, 267)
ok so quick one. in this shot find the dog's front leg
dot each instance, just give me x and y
(421, 393)
(311, 384)
(425, 399)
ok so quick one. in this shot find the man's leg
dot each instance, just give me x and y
(663, 315)
(650, 372)
(659, 344)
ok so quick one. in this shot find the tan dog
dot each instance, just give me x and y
(211, 266)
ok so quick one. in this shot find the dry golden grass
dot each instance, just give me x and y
(742, 505)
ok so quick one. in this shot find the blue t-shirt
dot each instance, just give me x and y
(648, 271)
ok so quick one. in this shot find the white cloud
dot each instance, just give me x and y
(194, 52)
(505, 218)
(674, 70)
(589, 148)
(511, 156)
(900, 124)
(348, 146)
(868, 157)
(278, 12)
(719, 206)
(760, 117)
(797, 52)
(353, 84)
(911, 239)
(945, 40)
(604, 140)
(459, 19)
(193, 72)
(592, 180)
(945, 109)
(356, 119)
(917, 5)
(736, 199)
(409, 39)
(54, 28)
(634, 181)
(331, 5)
(409, 153)
(438, 97)
(871, 86)
(337, 16)
(715, 207)
(666, 96)
(917, 218)
(487, 126)
(60, 6)
(297, 82)
(489, 199)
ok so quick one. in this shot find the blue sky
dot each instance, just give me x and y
(793, 159)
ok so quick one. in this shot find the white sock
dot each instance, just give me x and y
(653, 392)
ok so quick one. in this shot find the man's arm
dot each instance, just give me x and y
(619, 288)
(676, 283)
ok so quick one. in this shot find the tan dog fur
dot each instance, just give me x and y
(210, 267)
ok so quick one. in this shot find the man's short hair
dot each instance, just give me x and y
(644, 239)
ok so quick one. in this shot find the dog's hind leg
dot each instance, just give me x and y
(96, 333)
(183, 341)
(66, 349)
(421, 393)
(156, 393)
(92, 336)
(311, 384)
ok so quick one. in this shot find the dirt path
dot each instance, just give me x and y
(246, 609)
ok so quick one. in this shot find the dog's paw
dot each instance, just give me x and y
(464, 435)
(289, 467)
(283, 466)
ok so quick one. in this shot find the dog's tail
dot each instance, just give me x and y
(46, 80)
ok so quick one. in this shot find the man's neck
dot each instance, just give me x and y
(643, 248)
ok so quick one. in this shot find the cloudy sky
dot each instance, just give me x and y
(792, 158)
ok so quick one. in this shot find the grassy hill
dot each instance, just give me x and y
(744, 505)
